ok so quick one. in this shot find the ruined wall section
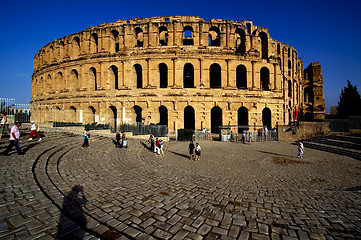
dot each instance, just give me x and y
(97, 70)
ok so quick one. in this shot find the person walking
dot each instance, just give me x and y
(300, 149)
(243, 138)
(34, 130)
(161, 146)
(250, 138)
(157, 146)
(191, 150)
(14, 139)
(198, 152)
(117, 140)
(124, 140)
(151, 140)
(3, 124)
(86, 136)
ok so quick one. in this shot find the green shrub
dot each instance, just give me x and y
(185, 134)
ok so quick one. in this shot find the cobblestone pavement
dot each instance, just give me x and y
(236, 191)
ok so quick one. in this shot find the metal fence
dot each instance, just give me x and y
(15, 111)
(141, 129)
(201, 135)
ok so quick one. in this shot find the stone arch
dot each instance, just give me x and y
(241, 77)
(115, 40)
(138, 75)
(76, 46)
(188, 76)
(139, 37)
(215, 75)
(267, 118)
(264, 45)
(216, 119)
(188, 35)
(240, 41)
(163, 115)
(264, 77)
(49, 83)
(189, 118)
(242, 119)
(72, 114)
(113, 116)
(74, 80)
(163, 36)
(163, 75)
(60, 81)
(93, 78)
(214, 37)
(138, 113)
(89, 115)
(94, 43)
(58, 114)
(113, 77)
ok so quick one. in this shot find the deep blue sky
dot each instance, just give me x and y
(324, 31)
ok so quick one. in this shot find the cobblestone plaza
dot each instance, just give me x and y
(236, 191)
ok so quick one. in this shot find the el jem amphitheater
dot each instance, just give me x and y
(179, 71)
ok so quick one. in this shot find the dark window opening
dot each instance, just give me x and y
(264, 43)
(215, 76)
(278, 49)
(216, 119)
(241, 77)
(139, 75)
(240, 41)
(115, 76)
(138, 113)
(163, 36)
(289, 88)
(189, 118)
(163, 115)
(249, 28)
(163, 75)
(242, 119)
(188, 76)
(264, 78)
(266, 118)
(139, 37)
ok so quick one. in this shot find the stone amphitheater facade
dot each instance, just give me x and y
(178, 70)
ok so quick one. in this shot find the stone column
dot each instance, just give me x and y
(253, 80)
(201, 84)
(275, 76)
(227, 62)
(123, 74)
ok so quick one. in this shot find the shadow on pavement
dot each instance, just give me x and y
(180, 154)
(72, 221)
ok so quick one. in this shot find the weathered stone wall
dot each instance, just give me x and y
(303, 131)
(159, 66)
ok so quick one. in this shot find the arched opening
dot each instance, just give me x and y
(266, 118)
(58, 115)
(264, 43)
(113, 117)
(138, 114)
(73, 83)
(60, 81)
(188, 35)
(139, 37)
(91, 114)
(242, 119)
(114, 76)
(163, 115)
(264, 78)
(163, 36)
(216, 119)
(278, 49)
(93, 78)
(76, 46)
(72, 114)
(215, 76)
(240, 41)
(214, 37)
(163, 75)
(189, 118)
(241, 77)
(94, 43)
(49, 85)
(139, 75)
(115, 34)
(188, 76)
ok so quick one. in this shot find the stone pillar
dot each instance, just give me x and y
(201, 84)
(227, 74)
(253, 80)
(123, 74)
(275, 87)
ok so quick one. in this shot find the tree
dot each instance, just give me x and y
(350, 101)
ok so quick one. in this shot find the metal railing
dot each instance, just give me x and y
(141, 129)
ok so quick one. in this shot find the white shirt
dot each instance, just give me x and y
(14, 129)
(198, 148)
(33, 127)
